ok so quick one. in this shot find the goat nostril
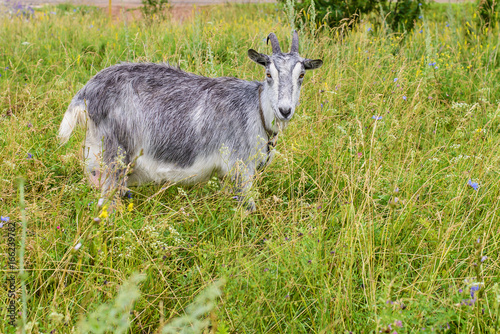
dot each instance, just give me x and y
(285, 111)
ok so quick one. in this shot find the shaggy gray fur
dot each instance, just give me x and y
(182, 127)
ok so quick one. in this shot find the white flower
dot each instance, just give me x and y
(459, 105)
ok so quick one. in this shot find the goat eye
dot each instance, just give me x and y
(301, 75)
(268, 75)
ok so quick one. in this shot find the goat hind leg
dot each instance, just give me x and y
(116, 167)
(93, 165)
(93, 157)
(113, 176)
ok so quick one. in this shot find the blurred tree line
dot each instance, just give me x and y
(398, 15)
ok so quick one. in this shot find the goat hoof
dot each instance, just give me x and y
(250, 206)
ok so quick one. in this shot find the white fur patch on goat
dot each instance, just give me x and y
(296, 72)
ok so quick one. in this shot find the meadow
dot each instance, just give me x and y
(379, 214)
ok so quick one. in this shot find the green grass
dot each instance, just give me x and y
(330, 248)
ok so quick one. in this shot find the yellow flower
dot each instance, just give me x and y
(130, 207)
(104, 212)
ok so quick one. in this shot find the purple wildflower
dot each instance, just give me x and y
(484, 258)
(404, 97)
(377, 117)
(473, 289)
(468, 302)
(474, 185)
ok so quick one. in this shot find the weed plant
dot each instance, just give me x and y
(378, 214)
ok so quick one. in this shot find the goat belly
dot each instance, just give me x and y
(149, 169)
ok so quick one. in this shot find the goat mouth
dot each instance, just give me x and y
(283, 118)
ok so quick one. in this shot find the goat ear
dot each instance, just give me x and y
(310, 64)
(259, 58)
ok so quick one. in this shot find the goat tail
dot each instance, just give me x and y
(76, 114)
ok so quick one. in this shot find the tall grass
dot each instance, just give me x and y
(379, 213)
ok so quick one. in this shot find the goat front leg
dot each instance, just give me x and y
(242, 178)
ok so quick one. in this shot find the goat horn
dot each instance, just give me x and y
(274, 43)
(295, 42)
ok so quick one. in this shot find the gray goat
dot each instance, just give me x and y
(169, 125)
